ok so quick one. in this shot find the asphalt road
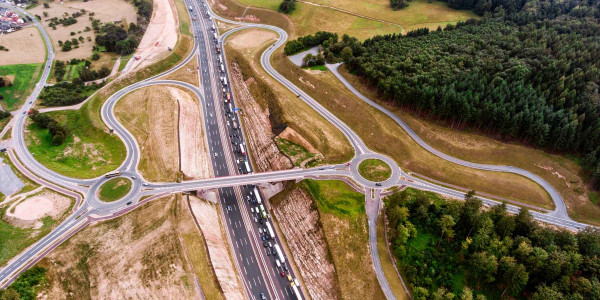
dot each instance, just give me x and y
(259, 273)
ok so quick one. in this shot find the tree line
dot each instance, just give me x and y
(59, 133)
(530, 75)
(67, 93)
(458, 250)
(309, 41)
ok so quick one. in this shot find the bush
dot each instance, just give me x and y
(95, 56)
(287, 6)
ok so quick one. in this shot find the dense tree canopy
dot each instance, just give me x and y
(456, 250)
(67, 93)
(528, 72)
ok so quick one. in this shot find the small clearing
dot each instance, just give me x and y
(24, 47)
(300, 224)
(30, 212)
(207, 217)
(161, 34)
(137, 256)
(195, 163)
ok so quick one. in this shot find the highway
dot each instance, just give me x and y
(233, 182)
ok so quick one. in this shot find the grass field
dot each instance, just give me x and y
(309, 17)
(24, 78)
(336, 197)
(383, 135)
(345, 225)
(387, 265)
(245, 48)
(562, 172)
(374, 170)
(114, 189)
(87, 153)
(72, 71)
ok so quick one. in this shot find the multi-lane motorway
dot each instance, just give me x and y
(233, 177)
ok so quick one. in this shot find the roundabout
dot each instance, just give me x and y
(375, 170)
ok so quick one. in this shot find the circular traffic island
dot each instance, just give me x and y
(114, 189)
(374, 170)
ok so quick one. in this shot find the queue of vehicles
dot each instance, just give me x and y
(258, 211)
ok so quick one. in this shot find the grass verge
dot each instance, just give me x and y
(114, 189)
(387, 265)
(294, 151)
(374, 170)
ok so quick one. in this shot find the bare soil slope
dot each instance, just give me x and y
(301, 227)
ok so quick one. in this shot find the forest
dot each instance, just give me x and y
(528, 73)
(461, 250)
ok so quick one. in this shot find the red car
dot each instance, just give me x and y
(282, 274)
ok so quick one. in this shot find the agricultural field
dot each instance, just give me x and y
(24, 77)
(24, 46)
(104, 10)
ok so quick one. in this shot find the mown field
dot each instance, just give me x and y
(24, 78)
(114, 189)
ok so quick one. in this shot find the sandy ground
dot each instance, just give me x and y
(263, 149)
(137, 256)
(188, 73)
(24, 46)
(31, 211)
(150, 114)
(105, 11)
(306, 241)
(162, 30)
(208, 219)
(195, 163)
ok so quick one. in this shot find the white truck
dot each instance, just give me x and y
(257, 195)
(242, 150)
(247, 168)
(270, 230)
(279, 253)
(191, 9)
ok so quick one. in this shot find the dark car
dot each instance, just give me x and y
(268, 251)
(378, 184)
(265, 244)
(285, 268)
(128, 203)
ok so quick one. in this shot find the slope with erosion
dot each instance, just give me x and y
(244, 49)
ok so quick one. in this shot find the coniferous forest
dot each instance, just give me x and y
(528, 71)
